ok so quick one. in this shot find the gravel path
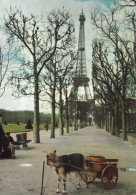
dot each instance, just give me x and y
(22, 176)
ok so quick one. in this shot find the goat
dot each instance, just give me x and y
(65, 164)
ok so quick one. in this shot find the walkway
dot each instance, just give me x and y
(22, 176)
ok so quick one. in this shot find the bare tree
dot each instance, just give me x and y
(65, 71)
(127, 3)
(39, 43)
(106, 83)
(121, 54)
(67, 83)
(53, 83)
(48, 80)
(7, 56)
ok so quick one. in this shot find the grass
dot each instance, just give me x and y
(132, 135)
(14, 128)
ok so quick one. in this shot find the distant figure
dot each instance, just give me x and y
(2, 134)
(9, 144)
(46, 126)
(134, 128)
(56, 124)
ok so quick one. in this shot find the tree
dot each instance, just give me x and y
(118, 51)
(65, 70)
(104, 78)
(7, 55)
(67, 83)
(127, 3)
(53, 78)
(38, 43)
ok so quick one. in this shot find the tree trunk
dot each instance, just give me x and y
(75, 124)
(116, 120)
(67, 117)
(106, 123)
(101, 122)
(53, 106)
(123, 120)
(36, 108)
(61, 112)
(113, 124)
(53, 118)
(109, 122)
(134, 26)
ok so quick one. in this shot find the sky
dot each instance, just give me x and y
(7, 101)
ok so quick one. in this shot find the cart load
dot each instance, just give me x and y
(102, 168)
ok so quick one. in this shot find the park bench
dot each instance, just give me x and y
(22, 140)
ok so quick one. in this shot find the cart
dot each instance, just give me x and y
(102, 168)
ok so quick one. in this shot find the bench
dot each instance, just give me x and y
(22, 140)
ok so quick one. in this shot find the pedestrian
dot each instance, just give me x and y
(134, 128)
(46, 126)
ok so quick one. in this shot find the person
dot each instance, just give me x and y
(134, 128)
(9, 145)
(46, 126)
(2, 134)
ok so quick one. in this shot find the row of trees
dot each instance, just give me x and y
(43, 57)
(43, 63)
(13, 117)
(114, 66)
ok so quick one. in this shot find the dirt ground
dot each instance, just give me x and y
(23, 175)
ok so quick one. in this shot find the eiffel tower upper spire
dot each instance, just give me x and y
(81, 58)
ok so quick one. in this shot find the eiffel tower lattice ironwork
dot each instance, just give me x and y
(81, 79)
(81, 99)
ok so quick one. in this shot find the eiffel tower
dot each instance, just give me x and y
(80, 99)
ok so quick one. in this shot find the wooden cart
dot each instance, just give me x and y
(102, 168)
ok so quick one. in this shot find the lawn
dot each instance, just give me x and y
(14, 128)
(132, 134)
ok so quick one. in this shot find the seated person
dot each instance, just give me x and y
(1, 138)
(9, 143)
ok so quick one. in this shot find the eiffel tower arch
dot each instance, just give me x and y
(81, 102)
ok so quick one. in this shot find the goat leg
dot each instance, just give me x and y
(59, 181)
(64, 184)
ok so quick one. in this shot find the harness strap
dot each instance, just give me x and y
(60, 164)
(69, 161)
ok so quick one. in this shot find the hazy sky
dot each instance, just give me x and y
(44, 7)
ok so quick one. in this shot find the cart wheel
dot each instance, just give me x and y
(88, 178)
(109, 176)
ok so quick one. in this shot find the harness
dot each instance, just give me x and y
(60, 163)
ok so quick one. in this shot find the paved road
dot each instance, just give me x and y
(16, 179)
